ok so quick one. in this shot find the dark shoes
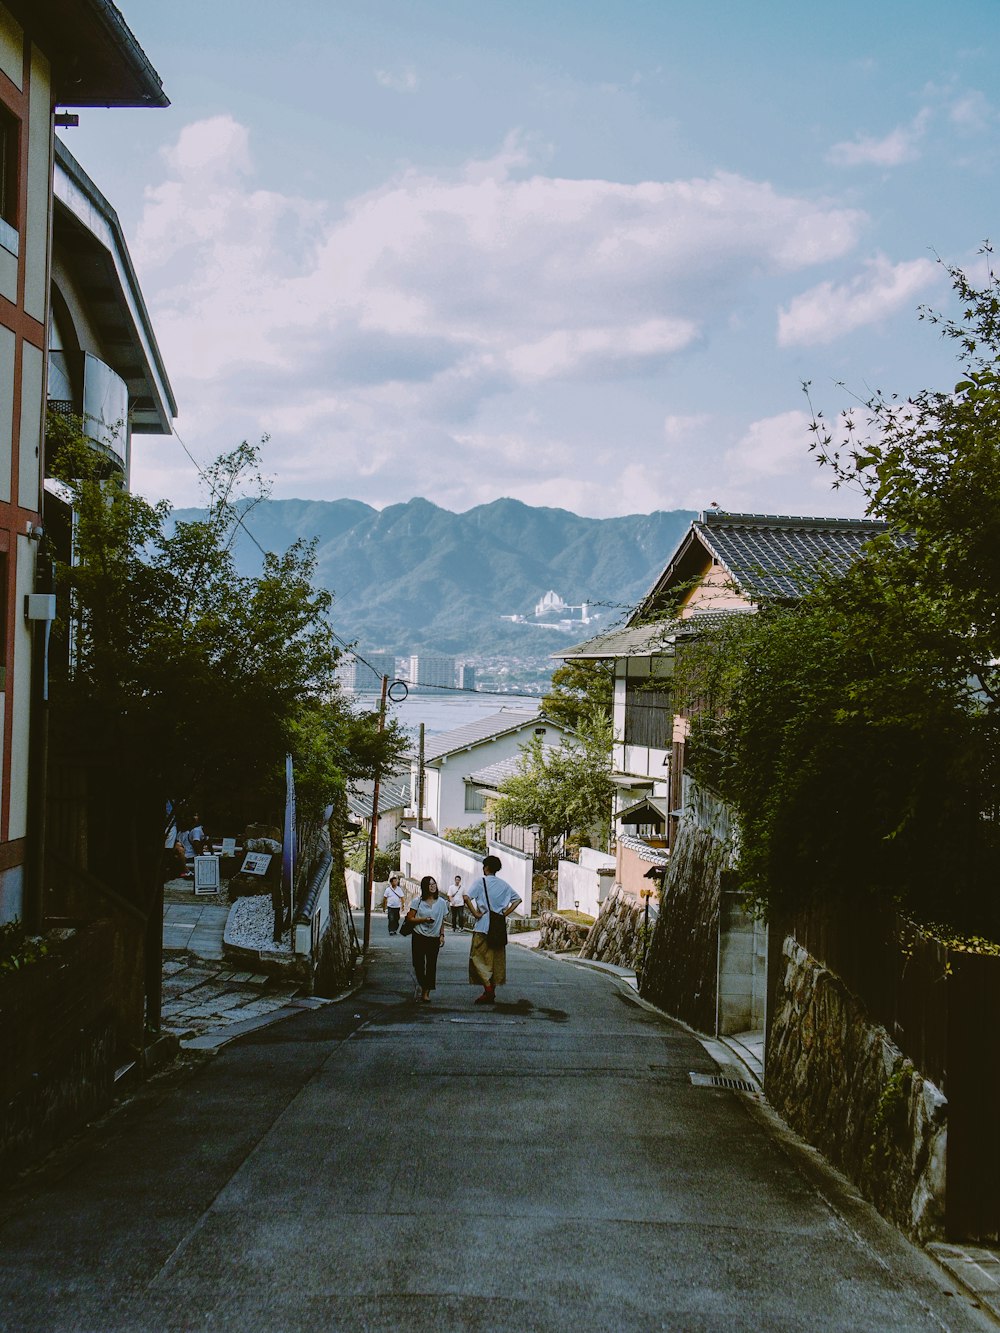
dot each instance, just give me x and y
(487, 997)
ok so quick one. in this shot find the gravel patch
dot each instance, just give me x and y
(251, 923)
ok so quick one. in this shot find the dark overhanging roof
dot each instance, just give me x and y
(95, 59)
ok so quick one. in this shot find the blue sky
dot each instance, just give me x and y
(578, 254)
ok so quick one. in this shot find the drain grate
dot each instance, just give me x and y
(721, 1081)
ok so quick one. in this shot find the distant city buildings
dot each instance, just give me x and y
(430, 671)
(366, 675)
(467, 677)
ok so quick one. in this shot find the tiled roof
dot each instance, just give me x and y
(494, 774)
(645, 640)
(643, 851)
(393, 794)
(475, 733)
(776, 555)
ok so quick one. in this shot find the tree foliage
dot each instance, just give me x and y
(189, 679)
(857, 732)
(563, 791)
(579, 688)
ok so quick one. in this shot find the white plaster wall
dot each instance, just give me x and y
(578, 888)
(7, 346)
(450, 811)
(36, 241)
(8, 274)
(430, 855)
(25, 556)
(29, 451)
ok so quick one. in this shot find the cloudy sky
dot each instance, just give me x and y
(580, 254)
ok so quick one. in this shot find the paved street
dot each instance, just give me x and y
(380, 1164)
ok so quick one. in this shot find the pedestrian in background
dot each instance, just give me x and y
(426, 915)
(392, 901)
(456, 900)
(488, 961)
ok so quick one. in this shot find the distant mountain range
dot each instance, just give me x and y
(417, 577)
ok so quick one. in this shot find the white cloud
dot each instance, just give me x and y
(771, 447)
(898, 146)
(972, 113)
(830, 310)
(371, 339)
(399, 81)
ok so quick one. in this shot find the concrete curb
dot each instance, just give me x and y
(219, 1037)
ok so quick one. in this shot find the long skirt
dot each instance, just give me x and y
(487, 966)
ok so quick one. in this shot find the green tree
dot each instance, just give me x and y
(562, 791)
(579, 688)
(191, 680)
(857, 732)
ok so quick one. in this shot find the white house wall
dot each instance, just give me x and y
(444, 787)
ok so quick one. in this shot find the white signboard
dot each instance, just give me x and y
(228, 846)
(206, 874)
(256, 863)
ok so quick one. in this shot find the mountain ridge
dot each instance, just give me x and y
(414, 576)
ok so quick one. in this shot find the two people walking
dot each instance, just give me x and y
(488, 895)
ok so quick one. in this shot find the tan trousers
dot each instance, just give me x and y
(486, 966)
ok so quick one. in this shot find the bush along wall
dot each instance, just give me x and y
(840, 1081)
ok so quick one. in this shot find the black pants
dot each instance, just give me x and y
(393, 914)
(457, 918)
(425, 959)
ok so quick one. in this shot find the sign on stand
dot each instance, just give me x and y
(256, 863)
(228, 846)
(206, 874)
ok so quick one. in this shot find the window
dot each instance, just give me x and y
(475, 800)
(648, 718)
(10, 138)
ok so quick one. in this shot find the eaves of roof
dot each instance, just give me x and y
(653, 640)
(88, 227)
(95, 59)
(482, 732)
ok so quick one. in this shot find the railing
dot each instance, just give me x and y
(82, 385)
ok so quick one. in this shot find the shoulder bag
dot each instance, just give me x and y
(496, 932)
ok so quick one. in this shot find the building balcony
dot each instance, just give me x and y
(82, 385)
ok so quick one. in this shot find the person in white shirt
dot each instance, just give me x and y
(488, 962)
(456, 901)
(392, 901)
(427, 914)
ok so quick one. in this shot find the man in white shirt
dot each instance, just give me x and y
(488, 961)
(392, 900)
(456, 901)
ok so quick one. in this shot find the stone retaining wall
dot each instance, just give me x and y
(681, 972)
(560, 935)
(617, 934)
(841, 1082)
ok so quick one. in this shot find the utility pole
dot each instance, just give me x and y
(420, 781)
(372, 841)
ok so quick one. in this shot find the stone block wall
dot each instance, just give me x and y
(617, 935)
(560, 935)
(681, 972)
(841, 1082)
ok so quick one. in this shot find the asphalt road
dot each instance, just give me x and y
(382, 1164)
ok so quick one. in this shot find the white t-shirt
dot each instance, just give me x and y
(393, 896)
(436, 908)
(501, 895)
(456, 895)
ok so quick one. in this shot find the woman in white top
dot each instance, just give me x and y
(427, 914)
